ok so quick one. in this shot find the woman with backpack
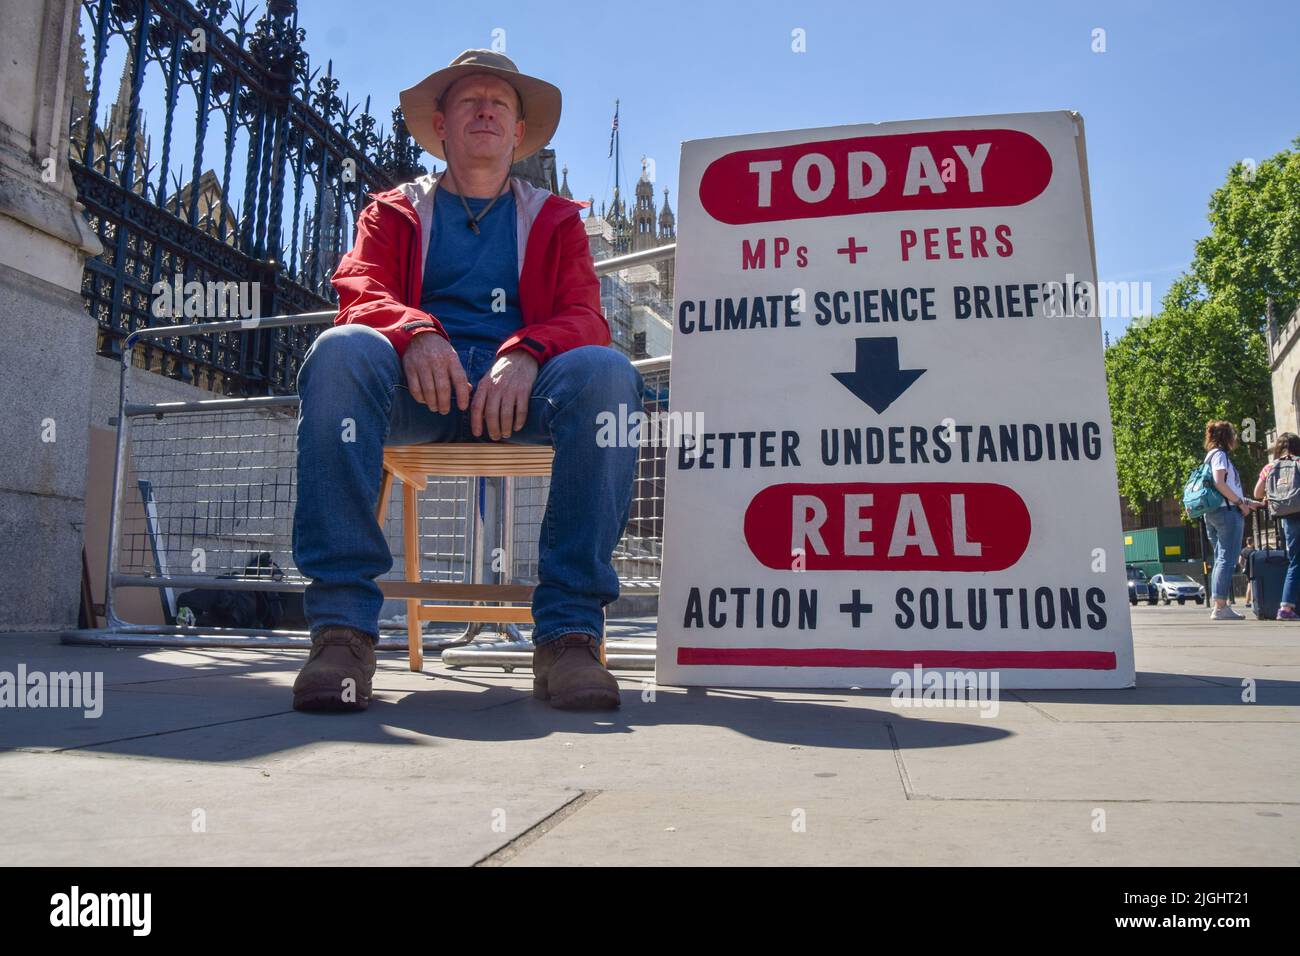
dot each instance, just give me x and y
(1225, 524)
(1280, 491)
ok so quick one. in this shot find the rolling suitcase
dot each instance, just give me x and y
(1267, 571)
(1266, 567)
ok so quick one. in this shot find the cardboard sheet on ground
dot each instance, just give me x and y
(889, 363)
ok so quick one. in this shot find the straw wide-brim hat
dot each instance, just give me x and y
(541, 101)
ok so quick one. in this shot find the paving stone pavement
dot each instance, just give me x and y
(198, 758)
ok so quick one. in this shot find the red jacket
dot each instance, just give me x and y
(378, 280)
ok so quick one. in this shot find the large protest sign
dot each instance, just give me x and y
(886, 336)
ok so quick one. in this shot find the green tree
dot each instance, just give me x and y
(1198, 360)
(1253, 249)
(1204, 356)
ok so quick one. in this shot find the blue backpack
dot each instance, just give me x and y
(1199, 494)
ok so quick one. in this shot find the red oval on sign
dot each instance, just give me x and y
(841, 177)
(913, 526)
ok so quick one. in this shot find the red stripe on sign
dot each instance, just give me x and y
(896, 659)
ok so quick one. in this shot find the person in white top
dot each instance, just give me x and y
(1225, 525)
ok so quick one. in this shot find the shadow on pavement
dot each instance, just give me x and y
(233, 709)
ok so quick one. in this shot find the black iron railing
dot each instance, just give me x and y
(275, 205)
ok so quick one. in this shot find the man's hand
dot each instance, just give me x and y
(501, 397)
(433, 371)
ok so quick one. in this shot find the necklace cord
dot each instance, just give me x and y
(472, 220)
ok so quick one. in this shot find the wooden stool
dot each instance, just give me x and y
(414, 465)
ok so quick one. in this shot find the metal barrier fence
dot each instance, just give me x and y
(204, 493)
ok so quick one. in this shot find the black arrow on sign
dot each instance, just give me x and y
(878, 380)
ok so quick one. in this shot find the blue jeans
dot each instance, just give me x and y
(351, 372)
(1291, 586)
(1224, 526)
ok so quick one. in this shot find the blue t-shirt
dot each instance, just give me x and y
(464, 271)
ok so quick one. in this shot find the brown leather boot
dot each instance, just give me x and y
(567, 674)
(338, 672)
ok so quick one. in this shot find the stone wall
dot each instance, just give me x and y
(49, 341)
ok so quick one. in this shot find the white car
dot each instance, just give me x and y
(1177, 587)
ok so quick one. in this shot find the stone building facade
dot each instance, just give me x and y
(637, 301)
(1284, 361)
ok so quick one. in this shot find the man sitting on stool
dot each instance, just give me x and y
(469, 310)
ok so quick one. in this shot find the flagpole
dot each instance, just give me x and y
(617, 146)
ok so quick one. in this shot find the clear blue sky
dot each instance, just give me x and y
(1182, 92)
